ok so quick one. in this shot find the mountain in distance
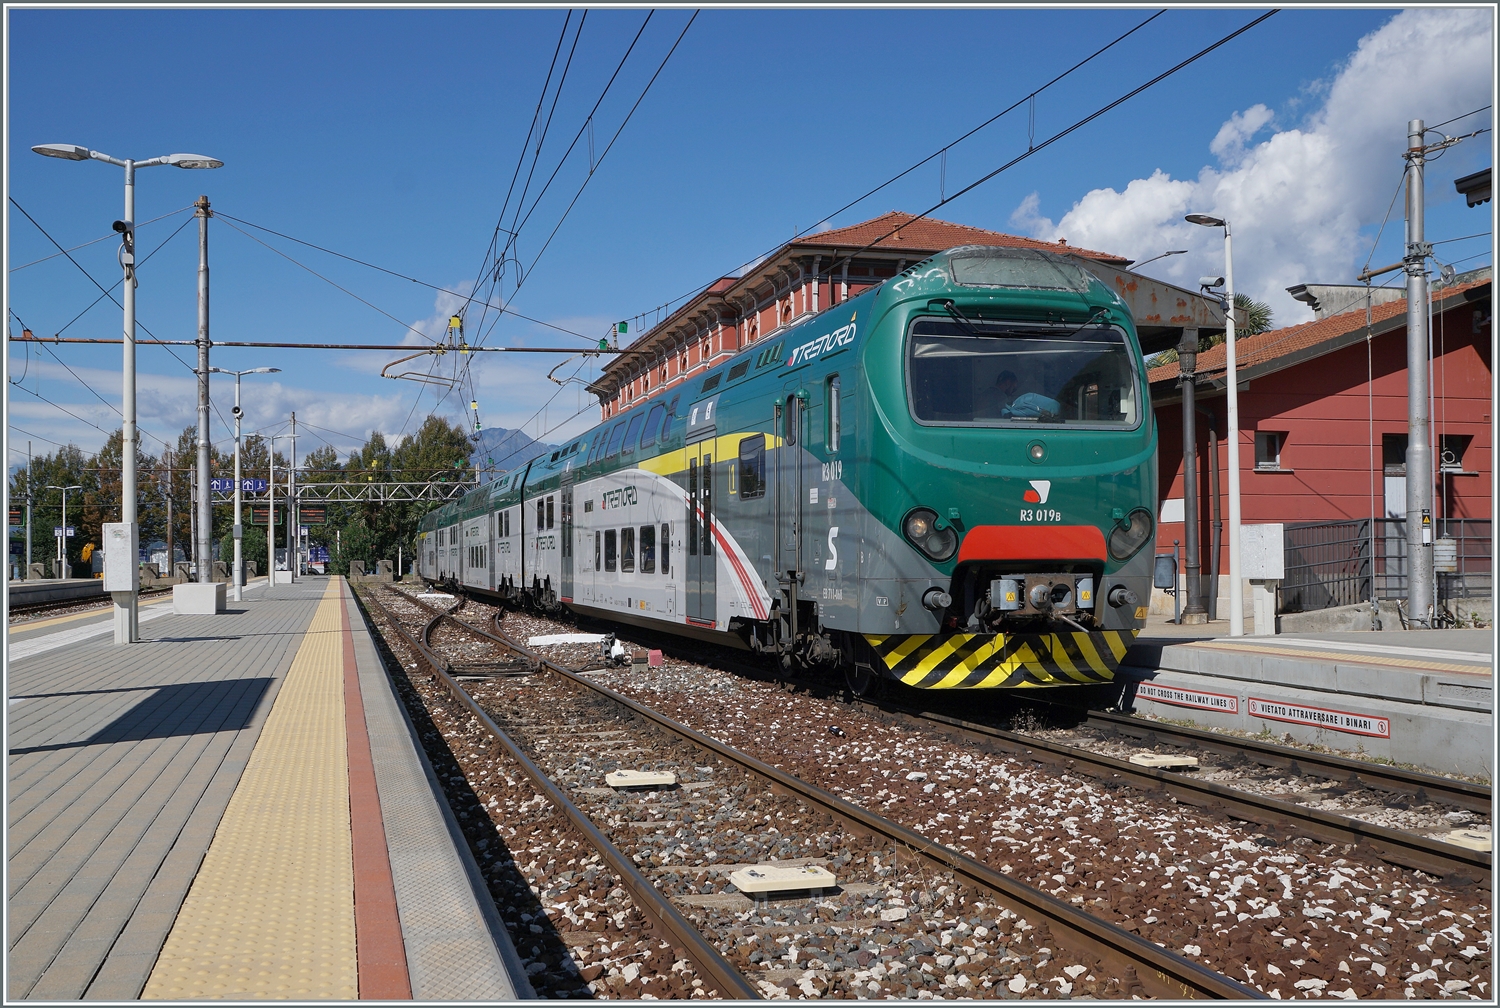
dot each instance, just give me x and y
(500, 449)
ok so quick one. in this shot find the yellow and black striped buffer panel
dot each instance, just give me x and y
(1002, 661)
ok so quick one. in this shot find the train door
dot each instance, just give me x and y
(492, 521)
(700, 559)
(567, 536)
(790, 502)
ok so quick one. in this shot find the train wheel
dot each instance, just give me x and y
(861, 680)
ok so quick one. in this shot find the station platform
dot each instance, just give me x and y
(1418, 697)
(235, 808)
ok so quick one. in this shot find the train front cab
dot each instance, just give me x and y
(1015, 419)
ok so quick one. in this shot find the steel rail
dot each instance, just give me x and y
(1167, 975)
(1458, 865)
(1355, 773)
(656, 907)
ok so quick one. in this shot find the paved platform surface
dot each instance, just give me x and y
(234, 808)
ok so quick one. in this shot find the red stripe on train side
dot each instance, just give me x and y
(1032, 542)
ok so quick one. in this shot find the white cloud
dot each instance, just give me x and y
(1229, 145)
(1298, 199)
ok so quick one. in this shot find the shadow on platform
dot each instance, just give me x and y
(183, 709)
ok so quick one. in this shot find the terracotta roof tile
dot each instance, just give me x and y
(929, 235)
(1268, 346)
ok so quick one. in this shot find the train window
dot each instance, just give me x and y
(791, 415)
(610, 544)
(738, 371)
(752, 468)
(549, 511)
(597, 537)
(627, 549)
(831, 419)
(653, 422)
(710, 383)
(615, 437)
(992, 374)
(632, 430)
(541, 514)
(648, 549)
(1014, 267)
(666, 548)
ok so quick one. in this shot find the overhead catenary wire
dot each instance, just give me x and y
(587, 126)
(390, 272)
(605, 153)
(96, 241)
(907, 171)
(111, 296)
(1079, 124)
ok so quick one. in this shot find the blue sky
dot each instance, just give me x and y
(392, 135)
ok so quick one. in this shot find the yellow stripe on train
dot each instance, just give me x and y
(1002, 661)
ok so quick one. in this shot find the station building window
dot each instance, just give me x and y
(1268, 445)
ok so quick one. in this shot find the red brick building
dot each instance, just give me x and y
(1323, 417)
(799, 279)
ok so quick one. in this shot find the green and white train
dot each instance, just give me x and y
(949, 480)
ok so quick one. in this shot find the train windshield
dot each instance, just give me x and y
(1006, 374)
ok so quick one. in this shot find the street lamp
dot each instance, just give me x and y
(62, 539)
(239, 529)
(127, 616)
(1236, 589)
(1134, 267)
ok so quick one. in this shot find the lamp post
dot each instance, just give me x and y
(239, 529)
(271, 514)
(62, 539)
(1232, 390)
(127, 617)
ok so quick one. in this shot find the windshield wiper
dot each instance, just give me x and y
(1093, 317)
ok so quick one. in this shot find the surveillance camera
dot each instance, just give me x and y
(236, 411)
(123, 227)
(1211, 281)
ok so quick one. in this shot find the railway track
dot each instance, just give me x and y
(24, 612)
(1397, 916)
(1096, 947)
(1459, 865)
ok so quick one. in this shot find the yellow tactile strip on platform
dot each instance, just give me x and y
(271, 910)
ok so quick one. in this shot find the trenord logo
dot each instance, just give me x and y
(821, 345)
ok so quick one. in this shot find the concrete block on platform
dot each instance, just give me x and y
(198, 599)
(281, 577)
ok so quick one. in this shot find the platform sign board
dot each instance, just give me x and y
(57, 531)
(225, 484)
(1224, 703)
(258, 513)
(16, 520)
(313, 514)
(1320, 717)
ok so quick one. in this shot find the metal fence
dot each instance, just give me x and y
(1346, 562)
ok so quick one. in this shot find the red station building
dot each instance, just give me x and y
(1323, 428)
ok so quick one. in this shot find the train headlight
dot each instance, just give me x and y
(1130, 534)
(926, 533)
